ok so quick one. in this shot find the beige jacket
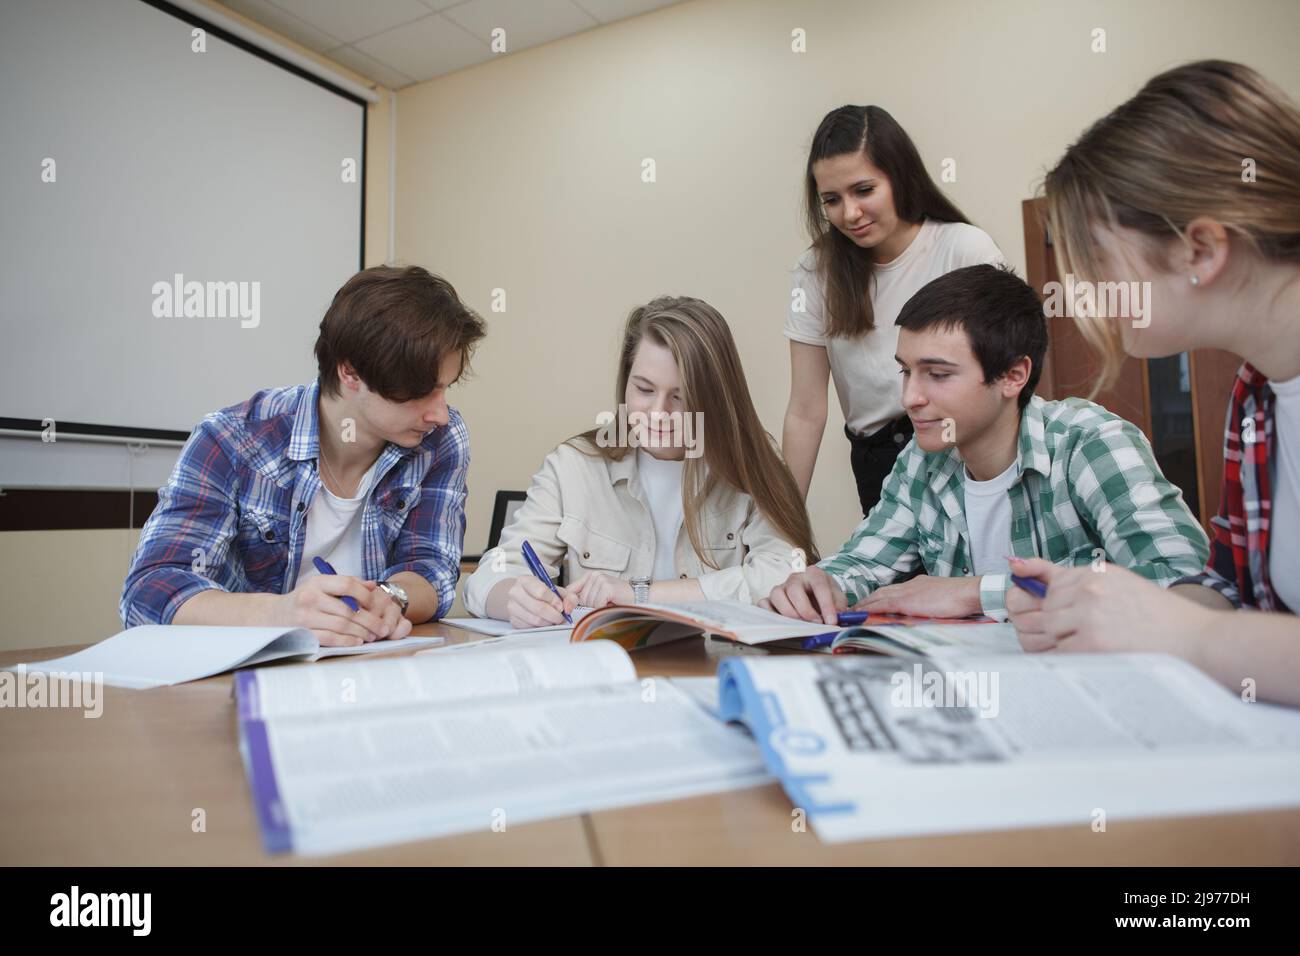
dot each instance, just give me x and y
(592, 515)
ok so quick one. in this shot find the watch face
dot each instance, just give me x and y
(398, 592)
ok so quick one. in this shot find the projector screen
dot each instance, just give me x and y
(178, 210)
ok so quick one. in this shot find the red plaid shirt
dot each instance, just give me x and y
(1238, 567)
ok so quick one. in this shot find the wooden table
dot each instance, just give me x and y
(123, 790)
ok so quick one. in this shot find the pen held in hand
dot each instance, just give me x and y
(535, 565)
(1034, 586)
(324, 567)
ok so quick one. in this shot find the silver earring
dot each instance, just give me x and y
(1194, 279)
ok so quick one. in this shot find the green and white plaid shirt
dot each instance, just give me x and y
(1088, 489)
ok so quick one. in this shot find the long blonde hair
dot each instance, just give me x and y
(1211, 138)
(738, 451)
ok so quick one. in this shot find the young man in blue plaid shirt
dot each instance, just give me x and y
(994, 471)
(363, 468)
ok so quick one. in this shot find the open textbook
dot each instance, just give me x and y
(643, 625)
(363, 754)
(157, 655)
(873, 747)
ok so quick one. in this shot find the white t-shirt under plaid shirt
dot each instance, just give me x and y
(1088, 489)
(988, 519)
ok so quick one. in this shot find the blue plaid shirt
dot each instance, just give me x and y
(233, 514)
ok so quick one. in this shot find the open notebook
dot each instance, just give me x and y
(156, 655)
(495, 628)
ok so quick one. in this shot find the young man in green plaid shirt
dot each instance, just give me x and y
(994, 471)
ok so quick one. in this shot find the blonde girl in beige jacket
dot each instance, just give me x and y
(683, 491)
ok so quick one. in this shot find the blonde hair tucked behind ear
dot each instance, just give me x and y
(1210, 138)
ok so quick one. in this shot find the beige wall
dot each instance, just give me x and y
(524, 174)
(62, 587)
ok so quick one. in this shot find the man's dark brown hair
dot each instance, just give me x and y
(1000, 313)
(395, 326)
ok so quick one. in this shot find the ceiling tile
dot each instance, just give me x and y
(526, 24)
(399, 42)
(426, 48)
(284, 23)
(607, 11)
(349, 20)
(369, 67)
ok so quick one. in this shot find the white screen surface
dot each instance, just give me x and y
(220, 166)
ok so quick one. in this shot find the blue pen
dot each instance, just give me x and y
(818, 640)
(843, 619)
(323, 567)
(535, 566)
(1034, 586)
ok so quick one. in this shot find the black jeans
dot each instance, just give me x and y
(873, 457)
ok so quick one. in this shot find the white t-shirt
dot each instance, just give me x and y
(334, 530)
(662, 483)
(1284, 536)
(863, 368)
(988, 519)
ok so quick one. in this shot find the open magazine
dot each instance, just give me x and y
(634, 626)
(873, 747)
(358, 755)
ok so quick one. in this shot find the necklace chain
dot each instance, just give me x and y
(330, 473)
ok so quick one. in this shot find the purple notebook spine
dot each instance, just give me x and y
(246, 695)
(277, 836)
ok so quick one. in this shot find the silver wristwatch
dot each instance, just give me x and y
(641, 590)
(397, 593)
